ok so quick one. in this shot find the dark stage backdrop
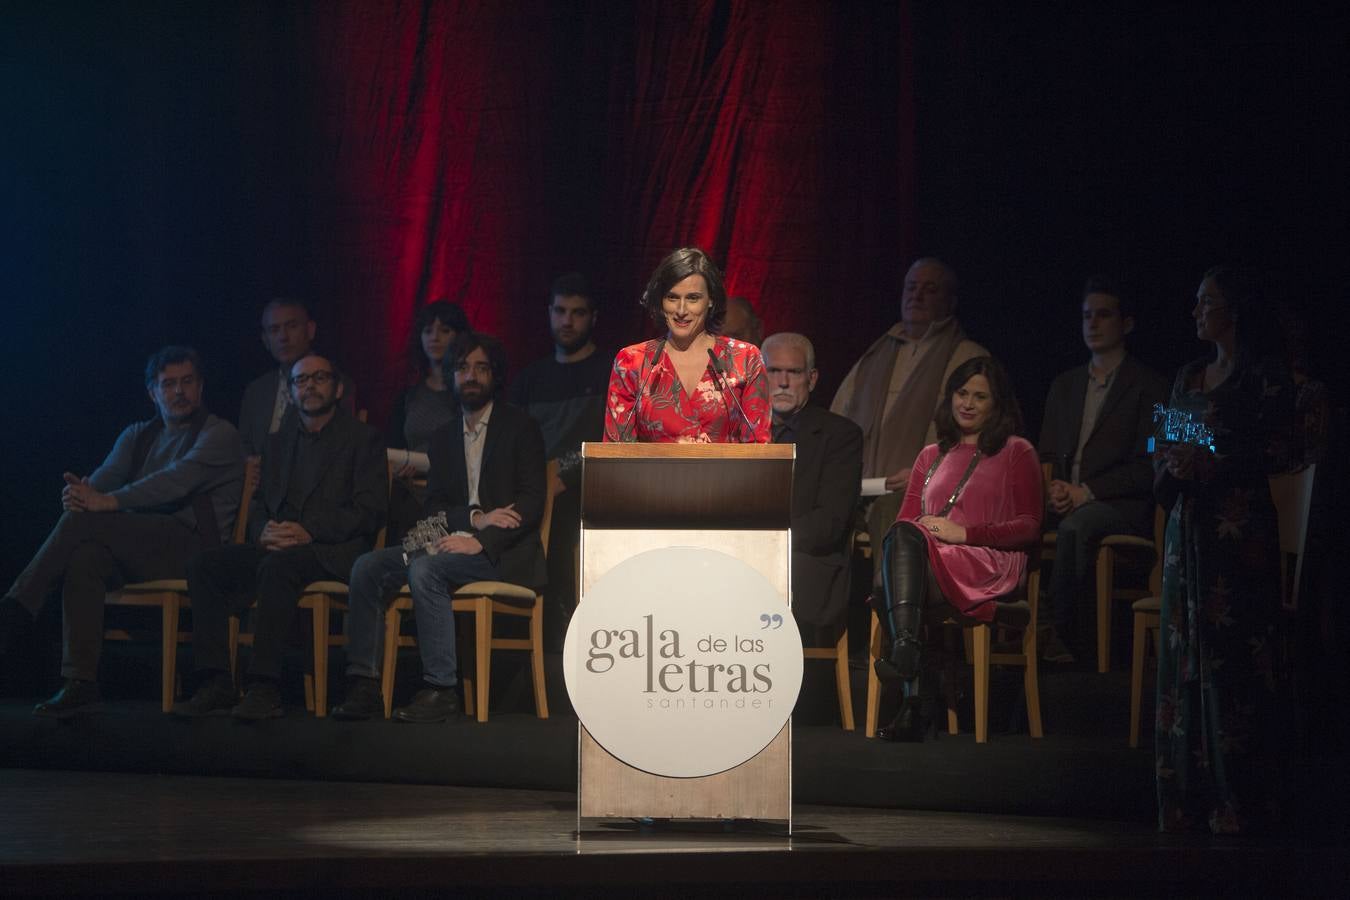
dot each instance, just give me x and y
(166, 167)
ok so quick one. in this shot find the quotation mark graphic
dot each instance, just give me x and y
(775, 620)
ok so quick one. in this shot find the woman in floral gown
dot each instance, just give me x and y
(669, 390)
(1217, 735)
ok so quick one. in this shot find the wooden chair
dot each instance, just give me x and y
(484, 599)
(980, 651)
(171, 596)
(1107, 591)
(839, 653)
(1292, 496)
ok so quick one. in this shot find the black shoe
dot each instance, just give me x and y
(262, 700)
(910, 725)
(431, 704)
(75, 696)
(1053, 649)
(363, 701)
(215, 696)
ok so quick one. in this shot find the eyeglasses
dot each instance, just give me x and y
(171, 385)
(318, 379)
(478, 368)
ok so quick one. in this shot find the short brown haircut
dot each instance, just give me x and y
(675, 268)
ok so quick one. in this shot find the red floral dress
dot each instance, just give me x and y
(646, 401)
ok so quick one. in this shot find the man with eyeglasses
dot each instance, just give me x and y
(826, 480)
(169, 487)
(487, 478)
(322, 498)
(288, 334)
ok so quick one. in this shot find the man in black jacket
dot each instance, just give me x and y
(1097, 422)
(322, 499)
(825, 482)
(487, 477)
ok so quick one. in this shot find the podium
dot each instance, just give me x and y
(734, 499)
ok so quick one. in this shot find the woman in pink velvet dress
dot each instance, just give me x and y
(974, 503)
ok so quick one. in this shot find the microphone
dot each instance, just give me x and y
(725, 388)
(628, 433)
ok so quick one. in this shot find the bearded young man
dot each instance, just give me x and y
(487, 478)
(323, 497)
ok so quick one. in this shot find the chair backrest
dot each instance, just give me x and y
(546, 521)
(245, 501)
(1159, 537)
(1292, 495)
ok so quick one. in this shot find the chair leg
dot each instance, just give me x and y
(537, 658)
(841, 680)
(1031, 681)
(233, 641)
(320, 616)
(393, 620)
(981, 636)
(168, 646)
(1106, 579)
(873, 683)
(1137, 676)
(483, 644)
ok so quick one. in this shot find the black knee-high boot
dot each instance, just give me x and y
(905, 578)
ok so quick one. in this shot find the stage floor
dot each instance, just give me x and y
(106, 833)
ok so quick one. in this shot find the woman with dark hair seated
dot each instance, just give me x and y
(693, 385)
(1218, 729)
(421, 409)
(974, 502)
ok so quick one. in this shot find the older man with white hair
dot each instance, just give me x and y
(825, 481)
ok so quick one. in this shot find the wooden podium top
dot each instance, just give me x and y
(626, 485)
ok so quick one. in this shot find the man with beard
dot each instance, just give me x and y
(288, 334)
(825, 483)
(322, 499)
(487, 478)
(169, 487)
(565, 394)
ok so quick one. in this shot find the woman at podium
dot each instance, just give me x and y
(693, 385)
(974, 501)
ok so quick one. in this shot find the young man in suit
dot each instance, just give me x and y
(322, 498)
(1097, 422)
(825, 482)
(488, 478)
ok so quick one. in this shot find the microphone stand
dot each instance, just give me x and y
(726, 390)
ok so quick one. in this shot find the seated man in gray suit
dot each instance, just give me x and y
(323, 497)
(1097, 422)
(825, 483)
(169, 487)
(288, 334)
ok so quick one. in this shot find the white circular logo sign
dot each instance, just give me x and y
(683, 662)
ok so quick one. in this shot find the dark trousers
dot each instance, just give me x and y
(1077, 537)
(225, 581)
(87, 555)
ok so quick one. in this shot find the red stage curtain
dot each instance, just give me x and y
(470, 151)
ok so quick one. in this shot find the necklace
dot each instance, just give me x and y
(960, 485)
